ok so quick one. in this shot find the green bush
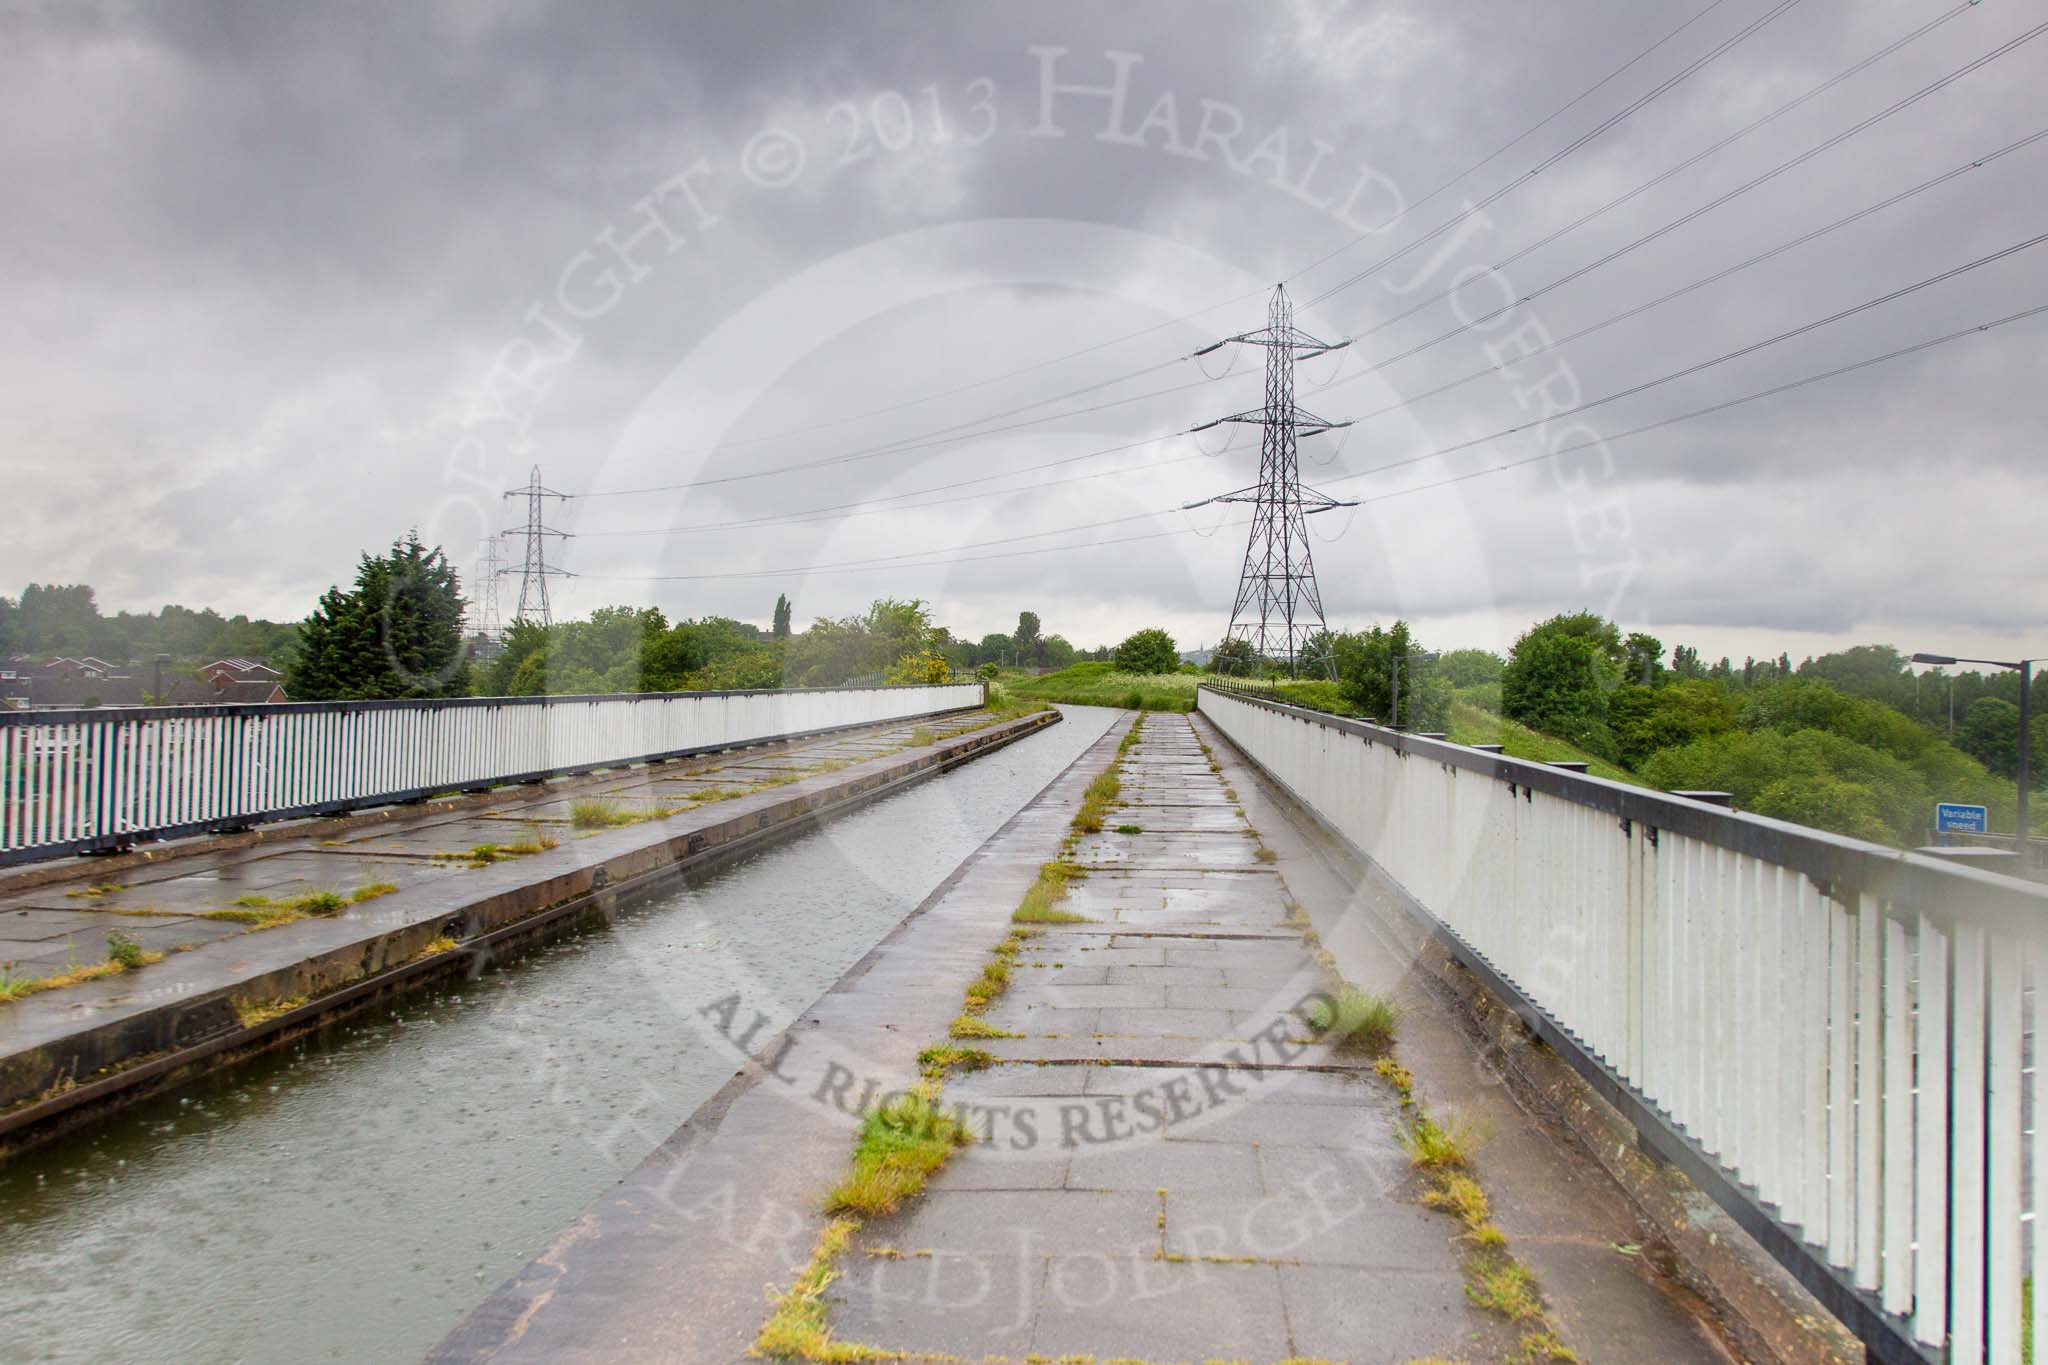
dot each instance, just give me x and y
(1148, 651)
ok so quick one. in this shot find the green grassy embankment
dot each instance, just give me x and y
(1099, 684)
(1470, 724)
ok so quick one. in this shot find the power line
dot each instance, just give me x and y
(1711, 409)
(1512, 142)
(1714, 278)
(899, 448)
(933, 558)
(1609, 123)
(867, 506)
(1722, 359)
(1249, 294)
(1693, 160)
(959, 431)
(1898, 106)
(1685, 372)
(845, 510)
(1139, 373)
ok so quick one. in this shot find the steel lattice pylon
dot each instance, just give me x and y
(534, 571)
(1278, 607)
(485, 619)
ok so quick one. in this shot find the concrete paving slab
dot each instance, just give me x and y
(1019, 1222)
(1166, 1023)
(1017, 1081)
(1163, 977)
(1346, 1089)
(1417, 1315)
(1152, 1310)
(983, 1168)
(1179, 1168)
(1336, 1223)
(943, 1303)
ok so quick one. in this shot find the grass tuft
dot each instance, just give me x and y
(1042, 899)
(598, 813)
(1434, 1146)
(796, 1328)
(969, 1026)
(250, 1013)
(123, 948)
(1460, 1195)
(1507, 1287)
(901, 1145)
(940, 1058)
(14, 987)
(1356, 1019)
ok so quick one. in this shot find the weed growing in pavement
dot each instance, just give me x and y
(1357, 1019)
(901, 1145)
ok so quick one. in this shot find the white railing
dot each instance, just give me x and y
(1829, 1035)
(73, 781)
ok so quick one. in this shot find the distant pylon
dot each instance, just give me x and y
(484, 618)
(533, 570)
(1279, 607)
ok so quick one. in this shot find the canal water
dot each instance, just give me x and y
(352, 1197)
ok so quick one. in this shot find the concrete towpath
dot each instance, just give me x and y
(1171, 1164)
(1173, 1169)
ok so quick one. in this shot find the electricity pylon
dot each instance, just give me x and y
(1279, 607)
(484, 616)
(534, 572)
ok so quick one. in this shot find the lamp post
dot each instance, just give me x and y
(1394, 708)
(2026, 672)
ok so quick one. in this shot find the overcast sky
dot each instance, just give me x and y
(289, 280)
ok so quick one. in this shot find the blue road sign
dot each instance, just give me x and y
(1954, 817)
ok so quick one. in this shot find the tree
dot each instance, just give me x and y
(1365, 674)
(1470, 667)
(397, 633)
(781, 628)
(1646, 719)
(1234, 657)
(1990, 733)
(1030, 645)
(1558, 676)
(1642, 659)
(925, 666)
(1148, 651)
(857, 648)
(59, 618)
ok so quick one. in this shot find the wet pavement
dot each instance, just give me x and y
(1169, 1165)
(1174, 1169)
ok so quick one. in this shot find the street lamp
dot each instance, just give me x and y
(2026, 672)
(1394, 709)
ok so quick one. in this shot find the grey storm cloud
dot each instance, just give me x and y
(283, 281)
